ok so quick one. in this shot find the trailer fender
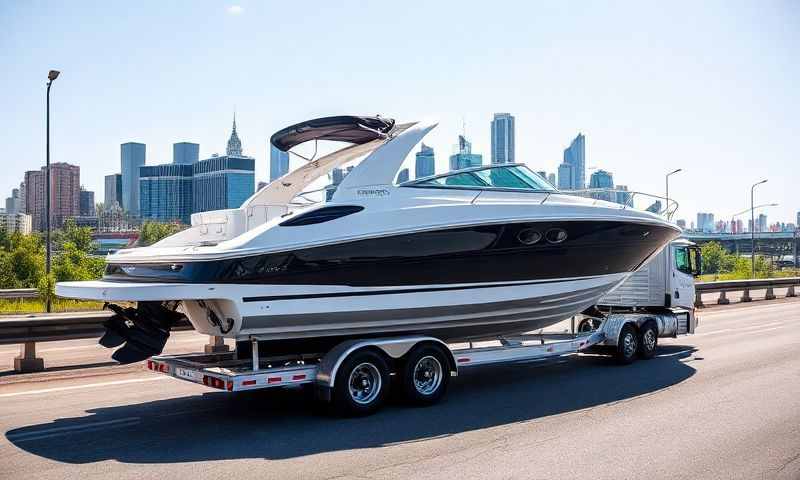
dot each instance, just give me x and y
(393, 347)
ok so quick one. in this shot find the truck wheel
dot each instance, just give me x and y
(425, 375)
(627, 345)
(361, 384)
(648, 341)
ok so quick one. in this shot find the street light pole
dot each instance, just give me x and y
(753, 228)
(51, 76)
(666, 179)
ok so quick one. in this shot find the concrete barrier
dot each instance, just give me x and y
(745, 286)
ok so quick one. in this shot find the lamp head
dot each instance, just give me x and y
(53, 75)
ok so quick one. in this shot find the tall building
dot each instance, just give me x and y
(705, 222)
(185, 153)
(64, 195)
(425, 164)
(222, 182)
(402, 177)
(566, 177)
(551, 177)
(503, 138)
(682, 224)
(165, 192)
(623, 197)
(762, 223)
(14, 202)
(278, 163)
(464, 158)
(132, 156)
(86, 203)
(113, 190)
(234, 148)
(575, 155)
(602, 179)
(15, 222)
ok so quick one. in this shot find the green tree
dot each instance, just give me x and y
(80, 237)
(151, 232)
(25, 261)
(713, 257)
(72, 263)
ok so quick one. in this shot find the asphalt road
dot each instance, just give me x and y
(724, 403)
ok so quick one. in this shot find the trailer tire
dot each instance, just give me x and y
(627, 345)
(425, 375)
(361, 385)
(648, 340)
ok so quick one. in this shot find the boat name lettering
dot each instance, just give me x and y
(377, 192)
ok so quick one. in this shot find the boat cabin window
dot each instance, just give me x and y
(502, 177)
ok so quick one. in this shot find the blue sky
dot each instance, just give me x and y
(710, 87)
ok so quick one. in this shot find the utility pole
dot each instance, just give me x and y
(51, 76)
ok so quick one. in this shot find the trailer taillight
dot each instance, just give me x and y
(216, 383)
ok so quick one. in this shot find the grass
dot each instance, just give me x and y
(10, 306)
(713, 277)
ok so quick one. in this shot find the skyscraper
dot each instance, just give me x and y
(464, 158)
(64, 194)
(278, 163)
(503, 138)
(165, 192)
(222, 182)
(14, 203)
(113, 190)
(551, 177)
(623, 197)
(575, 155)
(86, 200)
(425, 164)
(132, 156)
(566, 176)
(602, 179)
(185, 152)
(234, 144)
(705, 222)
(762, 223)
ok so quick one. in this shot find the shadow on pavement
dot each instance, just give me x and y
(286, 423)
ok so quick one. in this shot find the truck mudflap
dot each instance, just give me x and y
(142, 330)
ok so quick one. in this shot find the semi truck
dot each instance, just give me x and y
(354, 375)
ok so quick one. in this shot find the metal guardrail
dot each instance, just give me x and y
(725, 286)
(27, 330)
(14, 293)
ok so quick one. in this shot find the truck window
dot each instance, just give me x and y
(682, 260)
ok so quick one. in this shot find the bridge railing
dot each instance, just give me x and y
(745, 286)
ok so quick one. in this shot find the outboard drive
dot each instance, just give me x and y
(144, 329)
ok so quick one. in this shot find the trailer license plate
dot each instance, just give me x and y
(185, 373)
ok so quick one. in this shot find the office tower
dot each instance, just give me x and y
(113, 190)
(551, 177)
(762, 223)
(132, 156)
(566, 177)
(165, 192)
(602, 179)
(14, 203)
(425, 164)
(185, 153)
(575, 155)
(402, 177)
(234, 148)
(623, 196)
(278, 163)
(705, 222)
(64, 195)
(464, 158)
(222, 182)
(503, 138)
(86, 200)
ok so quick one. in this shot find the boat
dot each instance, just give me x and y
(477, 253)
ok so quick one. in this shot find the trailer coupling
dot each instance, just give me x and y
(143, 329)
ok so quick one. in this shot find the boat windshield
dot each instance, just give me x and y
(509, 176)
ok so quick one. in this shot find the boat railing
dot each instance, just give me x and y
(665, 207)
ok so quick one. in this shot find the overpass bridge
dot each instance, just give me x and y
(774, 244)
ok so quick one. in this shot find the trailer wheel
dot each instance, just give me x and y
(425, 375)
(648, 341)
(361, 384)
(627, 345)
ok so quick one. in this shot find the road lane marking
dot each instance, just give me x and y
(61, 431)
(79, 387)
(742, 329)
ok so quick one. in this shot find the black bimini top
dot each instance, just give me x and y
(350, 129)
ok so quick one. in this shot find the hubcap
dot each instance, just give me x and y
(365, 383)
(629, 344)
(649, 339)
(427, 375)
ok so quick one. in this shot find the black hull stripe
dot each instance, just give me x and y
(270, 298)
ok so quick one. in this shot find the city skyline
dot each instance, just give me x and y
(703, 97)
